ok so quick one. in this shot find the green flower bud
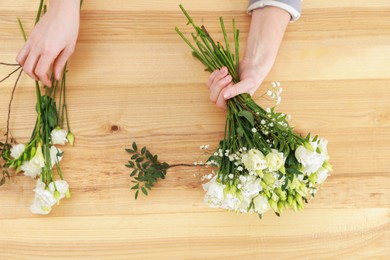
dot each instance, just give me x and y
(68, 194)
(269, 179)
(70, 138)
(298, 199)
(313, 178)
(57, 196)
(309, 147)
(260, 173)
(273, 205)
(327, 166)
(283, 170)
(294, 206)
(280, 206)
(290, 200)
(300, 207)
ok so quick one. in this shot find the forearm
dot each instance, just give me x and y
(265, 36)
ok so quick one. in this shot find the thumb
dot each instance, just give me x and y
(236, 89)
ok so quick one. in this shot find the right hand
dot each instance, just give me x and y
(52, 41)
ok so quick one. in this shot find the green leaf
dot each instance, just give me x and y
(135, 156)
(144, 191)
(240, 131)
(248, 116)
(129, 150)
(133, 173)
(134, 146)
(140, 159)
(135, 187)
(143, 150)
(136, 194)
(2, 181)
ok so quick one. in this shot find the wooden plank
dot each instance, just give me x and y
(132, 78)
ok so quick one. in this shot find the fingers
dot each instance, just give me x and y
(217, 86)
(43, 67)
(22, 55)
(237, 89)
(221, 102)
(30, 64)
(59, 63)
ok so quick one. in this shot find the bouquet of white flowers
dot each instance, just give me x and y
(262, 163)
(40, 154)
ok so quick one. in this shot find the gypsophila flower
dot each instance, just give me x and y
(254, 130)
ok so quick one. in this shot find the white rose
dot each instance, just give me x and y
(43, 200)
(322, 174)
(58, 136)
(17, 150)
(275, 160)
(254, 160)
(62, 187)
(54, 155)
(261, 204)
(30, 169)
(214, 193)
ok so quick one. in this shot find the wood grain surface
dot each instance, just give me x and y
(132, 78)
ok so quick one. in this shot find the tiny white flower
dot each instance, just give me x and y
(278, 83)
(273, 84)
(269, 93)
(231, 176)
(262, 122)
(17, 150)
(254, 130)
(271, 124)
(239, 186)
(58, 136)
(239, 168)
(268, 110)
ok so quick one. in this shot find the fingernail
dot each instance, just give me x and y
(226, 95)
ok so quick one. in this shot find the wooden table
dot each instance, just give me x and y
(132, 78)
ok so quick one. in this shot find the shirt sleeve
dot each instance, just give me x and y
(293, 7)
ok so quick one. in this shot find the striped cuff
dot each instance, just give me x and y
(286, 5)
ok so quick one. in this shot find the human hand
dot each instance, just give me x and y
(222, 88)
(52, 41)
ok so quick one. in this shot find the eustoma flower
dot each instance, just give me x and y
(39, 158)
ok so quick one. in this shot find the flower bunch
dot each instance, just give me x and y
(40, 156)
(262, 162)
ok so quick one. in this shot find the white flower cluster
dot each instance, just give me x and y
(243, 194)
(261, 182)
(32, 165)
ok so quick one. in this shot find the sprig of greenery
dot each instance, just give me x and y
(146, 169)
